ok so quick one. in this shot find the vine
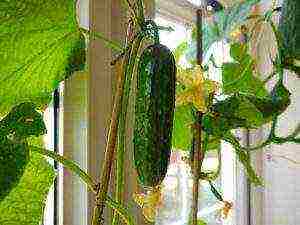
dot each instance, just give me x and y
(31, 74)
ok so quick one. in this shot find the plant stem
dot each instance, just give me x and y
(197, 164)
(122, 125)
(69, 164)
(109, 43)
(198, 151)
(131, 8)
(124, 214)
(73, 167)
(140, 9)
(109, 151)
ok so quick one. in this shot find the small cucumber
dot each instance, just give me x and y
(154, 112)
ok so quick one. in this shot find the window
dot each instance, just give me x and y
(51, 141)
(74, 205)
(66, 122)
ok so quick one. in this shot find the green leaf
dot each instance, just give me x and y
(199, 221)
(26, 202)
(248, 111)
(179, 51)
(238, 51)
(239, 108)
(182, 134)
(40, 45)
(22, 122)
(238, 76)
(13, 160)
(275, 104)
(280, 97)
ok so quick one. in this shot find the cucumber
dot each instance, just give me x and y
(289, 28)
(154, 112)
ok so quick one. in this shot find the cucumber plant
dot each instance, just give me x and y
(42, 44)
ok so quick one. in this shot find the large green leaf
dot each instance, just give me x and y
(26, 202)
(182, 134)
(13, 160)
(25, 177)
(240, 111)
(40, 44)
(21, 122)
(182, 137)
(238, 76)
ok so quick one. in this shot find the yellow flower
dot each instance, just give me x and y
(149, 202)
(196, 88)
(225, 211)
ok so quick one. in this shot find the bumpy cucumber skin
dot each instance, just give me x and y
(154, 112)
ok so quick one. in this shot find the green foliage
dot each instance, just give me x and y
(40, 45)
(25, 177)
(26, 202)
(239, 111)
(224, 22)
(182, 131)
(238, 76)
(23, 121)
(245, 159)
(280, 97)
(13, 159)
(275, 104)
(179, 51)
(182, 134)
(289, 28)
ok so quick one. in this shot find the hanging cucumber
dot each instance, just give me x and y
(154, 112)
(289, 28)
